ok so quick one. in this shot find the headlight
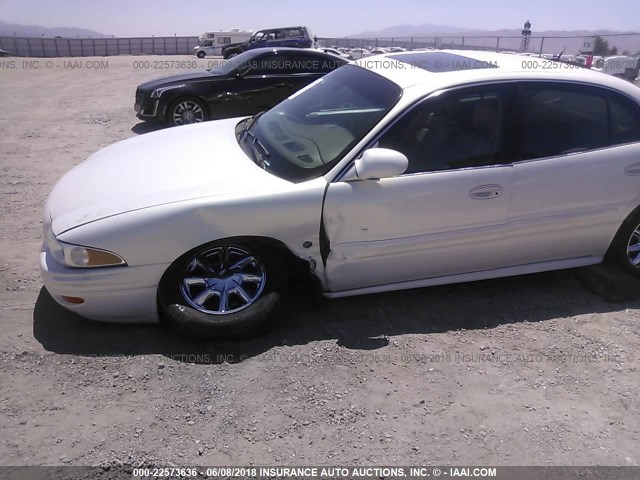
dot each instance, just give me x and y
(86, 257)
(78, 256)
(159, 91)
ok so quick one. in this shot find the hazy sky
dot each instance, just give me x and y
(324, 17)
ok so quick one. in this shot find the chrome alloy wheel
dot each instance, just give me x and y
(633, 248)
(222, 280)
(187, 112)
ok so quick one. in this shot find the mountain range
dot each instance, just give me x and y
(448, 36)
(10, 29)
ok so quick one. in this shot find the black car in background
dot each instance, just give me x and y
(249, 83)
(272, 38)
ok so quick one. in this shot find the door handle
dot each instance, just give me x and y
(632, 170)
(485, 192)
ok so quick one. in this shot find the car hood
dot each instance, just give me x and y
(177, 164)
(178, 79)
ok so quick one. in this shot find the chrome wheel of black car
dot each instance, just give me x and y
(188, 111)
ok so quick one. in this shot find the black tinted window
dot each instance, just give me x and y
(456, 130)
(270, 64)
(625, 119)
(309, 63)
(559, 119)
(293, 32)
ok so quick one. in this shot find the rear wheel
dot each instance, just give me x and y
(624, 250)
(186, 111)
(222, 290)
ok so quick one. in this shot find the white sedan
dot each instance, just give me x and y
(358, 53)
(334, 51)
(399, 171)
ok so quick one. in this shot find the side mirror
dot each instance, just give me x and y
(377, 163)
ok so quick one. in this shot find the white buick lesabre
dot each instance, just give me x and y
(399, 171)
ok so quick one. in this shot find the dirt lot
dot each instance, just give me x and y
(532, 370)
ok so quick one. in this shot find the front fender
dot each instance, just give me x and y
(161, 234)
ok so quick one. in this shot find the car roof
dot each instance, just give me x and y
(421, 72)
(258, 51)
(281, 28)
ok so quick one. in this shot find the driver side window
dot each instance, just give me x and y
(459, 129)
(270, 64)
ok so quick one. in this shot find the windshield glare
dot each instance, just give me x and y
(307, 134)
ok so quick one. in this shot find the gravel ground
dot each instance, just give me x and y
(532, 370)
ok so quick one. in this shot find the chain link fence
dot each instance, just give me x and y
(618, 44)
(621, 44)
(97, 47)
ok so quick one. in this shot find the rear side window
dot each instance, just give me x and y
(292, 32)
(625, 119)
(309, 63)
(562, 119)
(270, 64)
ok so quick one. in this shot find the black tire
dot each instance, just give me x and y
(618, 252)
(231, 54)
(201, 54)
(171, 111)
(248, 321)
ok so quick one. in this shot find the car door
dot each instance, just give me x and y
(262, 39)
(446, 215)
(208, 47)
(575, 173)
(262, 84)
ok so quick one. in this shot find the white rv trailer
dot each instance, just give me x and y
(211, 43)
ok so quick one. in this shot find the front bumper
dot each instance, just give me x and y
(115, 294)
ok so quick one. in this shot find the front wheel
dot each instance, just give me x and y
(186, 111)
(624, 250)
(201, 54)
(222, 290)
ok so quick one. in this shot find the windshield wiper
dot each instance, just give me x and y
(260, 157)
(248, 123)
(259, 143)
(246, 131)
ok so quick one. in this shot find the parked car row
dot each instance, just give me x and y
(622, 66)
(356, 53)
(373, 178)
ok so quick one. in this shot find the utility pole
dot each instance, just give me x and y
(526, 36)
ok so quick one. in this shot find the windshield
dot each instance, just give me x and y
(303, 137)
